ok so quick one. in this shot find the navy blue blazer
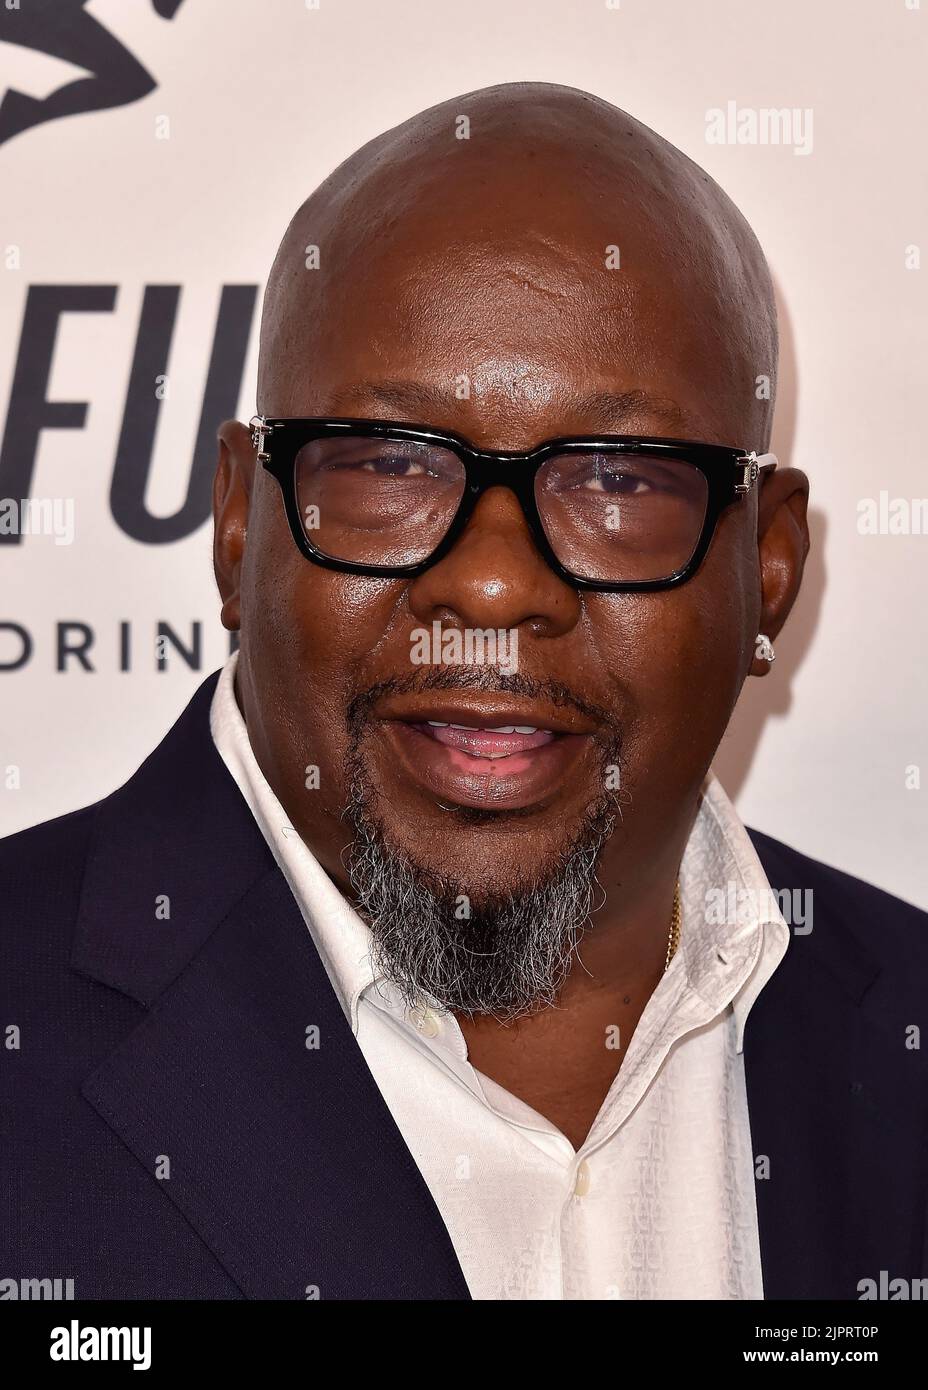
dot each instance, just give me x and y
(167, 1134)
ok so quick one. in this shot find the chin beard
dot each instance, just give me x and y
(505, 954)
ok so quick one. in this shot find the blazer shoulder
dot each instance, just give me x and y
(44, 865)
(42, 871)
(894, 932)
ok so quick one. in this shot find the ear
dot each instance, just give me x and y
(783, 544)
(232, 487)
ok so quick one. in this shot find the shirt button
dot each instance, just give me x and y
(582, 1180)
(427, 1022)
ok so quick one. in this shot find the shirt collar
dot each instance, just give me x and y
(733, 934)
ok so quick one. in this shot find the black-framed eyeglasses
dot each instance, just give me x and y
(615, 513)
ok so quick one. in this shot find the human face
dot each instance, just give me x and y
(515, 335)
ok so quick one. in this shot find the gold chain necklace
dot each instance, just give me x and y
(673, 940)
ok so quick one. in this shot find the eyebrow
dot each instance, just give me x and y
(606, 410)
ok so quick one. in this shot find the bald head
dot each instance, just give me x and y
(512, 223)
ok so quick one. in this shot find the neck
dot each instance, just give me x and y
(627, 941)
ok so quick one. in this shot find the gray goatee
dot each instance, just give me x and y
(510, 956)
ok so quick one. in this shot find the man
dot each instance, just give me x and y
(425, 958)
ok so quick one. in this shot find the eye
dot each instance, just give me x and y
(394, 466)
(612, 481)
(379, 465)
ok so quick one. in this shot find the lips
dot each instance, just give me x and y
(476, 750)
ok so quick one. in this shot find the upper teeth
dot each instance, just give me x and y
(505, 729)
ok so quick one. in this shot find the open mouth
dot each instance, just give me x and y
(479, 742)
(481, 752)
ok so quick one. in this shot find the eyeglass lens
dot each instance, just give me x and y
(614, 517)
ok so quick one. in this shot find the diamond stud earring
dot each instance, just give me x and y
(763, 648)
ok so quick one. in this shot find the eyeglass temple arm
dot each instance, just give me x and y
(751, 466)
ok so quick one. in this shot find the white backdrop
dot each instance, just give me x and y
(262, 98)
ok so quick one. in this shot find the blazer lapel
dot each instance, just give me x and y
(242, 1090)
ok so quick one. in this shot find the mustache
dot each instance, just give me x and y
(483, 678)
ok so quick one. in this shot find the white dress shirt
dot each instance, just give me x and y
(658, 1203)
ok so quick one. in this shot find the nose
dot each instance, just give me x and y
(495, 577)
